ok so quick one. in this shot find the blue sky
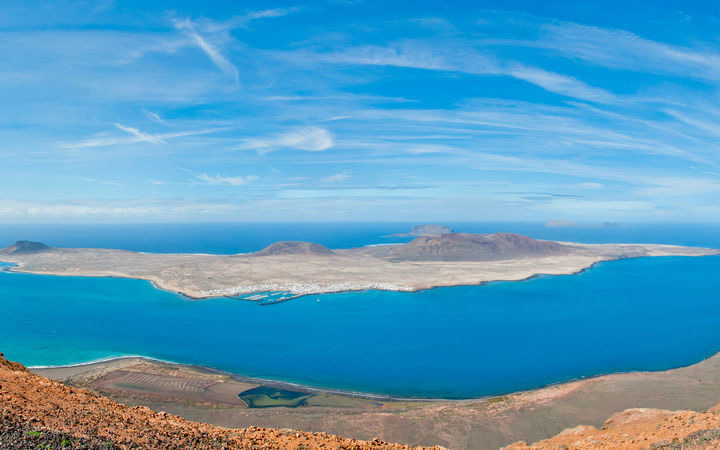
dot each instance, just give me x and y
(116, 111)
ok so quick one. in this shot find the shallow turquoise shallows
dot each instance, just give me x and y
(639, 314)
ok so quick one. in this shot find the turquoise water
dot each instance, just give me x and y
(639, 314)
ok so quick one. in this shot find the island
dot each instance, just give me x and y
(426, 229)
(300, 268)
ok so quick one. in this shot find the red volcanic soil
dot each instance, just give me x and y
(36, 412)
(641, 428)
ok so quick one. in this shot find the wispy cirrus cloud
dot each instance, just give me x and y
(625, 50)
(136, 137)
(337, 177)
(215, 55)
(202, 31)
(219, 179)
(311, 139)
(243, 20)
(458, 56)
(143, 137)
(155, 117)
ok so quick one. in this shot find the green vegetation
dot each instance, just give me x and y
(33, 433)
(267, 397)
(499, 399)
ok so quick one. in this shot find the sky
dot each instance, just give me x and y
(341, 110)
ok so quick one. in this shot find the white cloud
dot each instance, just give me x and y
(337, 177)
(244, 20)
(311, 139)
(559, 84)
(622, 49)
(210, 50)
(130, 208)
(137, 136)
(144, 137)
(219, 179)
(459, 57)
(591, 186)
(153, 116)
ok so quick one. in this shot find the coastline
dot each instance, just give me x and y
(206, 276)
(494, 422)
(306, 388)
(297, 290)
(277, 384)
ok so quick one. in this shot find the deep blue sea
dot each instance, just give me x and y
(458, 342)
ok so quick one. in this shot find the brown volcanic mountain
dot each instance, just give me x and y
(25, 248)
(294, 248)
(36, 412)
(474, 247)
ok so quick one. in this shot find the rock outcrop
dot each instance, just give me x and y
(294, 248)
(474, 247)
(641, 428)
(36, 412)
(25, 248)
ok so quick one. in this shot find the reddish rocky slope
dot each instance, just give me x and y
(641, 428)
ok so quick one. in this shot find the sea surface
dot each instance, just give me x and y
(455, 342)
(241, 238)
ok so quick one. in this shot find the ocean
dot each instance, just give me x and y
(455, 342)
(241, 238)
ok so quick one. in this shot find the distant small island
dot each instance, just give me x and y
(573, 224)
(433, 259)
(426, 230)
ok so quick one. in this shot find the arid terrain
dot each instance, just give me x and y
(305, 268)
(210, 396)
(39, 413)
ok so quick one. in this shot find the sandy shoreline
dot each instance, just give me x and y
(101, 365)
(485, 422)
(68, 371)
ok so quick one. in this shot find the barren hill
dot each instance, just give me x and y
(474, 247)
(25, 248)
(641, 428)
(294, 248)
(36, 412)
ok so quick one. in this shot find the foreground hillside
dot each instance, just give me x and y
(36, 412)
